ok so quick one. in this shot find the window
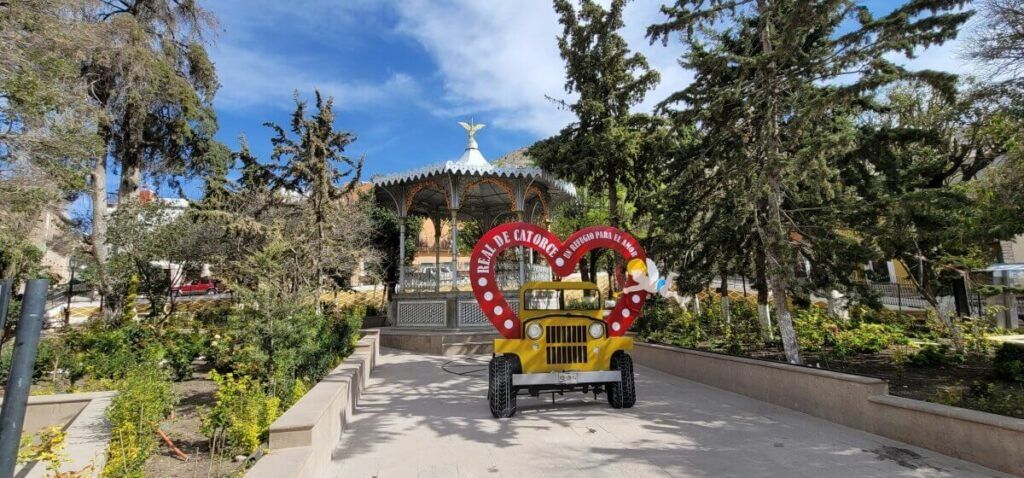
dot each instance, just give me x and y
(555, 299)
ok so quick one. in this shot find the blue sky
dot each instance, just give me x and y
(404, 71)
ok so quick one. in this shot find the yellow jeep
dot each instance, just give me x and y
(565, 347)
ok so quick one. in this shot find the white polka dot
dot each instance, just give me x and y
(481, 281)
(508, 324)
(559, 262)
(636, 299)
(488, 296)
(625, 312)
(498, 310)
(616, 326)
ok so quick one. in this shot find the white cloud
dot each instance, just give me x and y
(252, 79)
(500, 59)
(496, 59)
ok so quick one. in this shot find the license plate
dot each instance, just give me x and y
(568, 378)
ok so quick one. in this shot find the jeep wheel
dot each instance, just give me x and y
(622, 394)
(500, 395)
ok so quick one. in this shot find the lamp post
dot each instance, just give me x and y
(72, 265)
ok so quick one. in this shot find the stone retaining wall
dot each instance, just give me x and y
(83, 418)
(858, 402)
(302, 439)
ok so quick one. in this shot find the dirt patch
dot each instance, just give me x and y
(184, 429)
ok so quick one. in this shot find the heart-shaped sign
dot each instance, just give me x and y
(562, 257)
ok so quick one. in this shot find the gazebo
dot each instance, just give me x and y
(470, 189)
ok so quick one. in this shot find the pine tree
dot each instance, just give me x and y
(315, 167)
(768, 74)
(602, 148)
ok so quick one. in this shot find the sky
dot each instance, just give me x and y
(403, 72)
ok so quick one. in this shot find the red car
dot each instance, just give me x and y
(201, 286)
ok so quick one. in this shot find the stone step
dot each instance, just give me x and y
(464, 338)
(468, 348)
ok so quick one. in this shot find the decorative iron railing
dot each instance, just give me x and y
(507, 274)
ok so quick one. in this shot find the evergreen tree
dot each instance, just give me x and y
(316, 168)
(918, 167)
(154, 84)
(602, 149)
(770, 74)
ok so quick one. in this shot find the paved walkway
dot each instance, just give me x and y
(425, 416)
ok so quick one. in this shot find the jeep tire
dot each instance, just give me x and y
(501, 396)
(622, 394)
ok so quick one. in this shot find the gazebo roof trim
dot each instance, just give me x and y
(488, 170)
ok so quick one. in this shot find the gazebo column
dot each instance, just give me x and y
(455, 248)
(401, 254)
(522, 262)
(437, 251)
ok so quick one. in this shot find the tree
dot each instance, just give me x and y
(384, 240)
(918, 167)
(311, 169)
(769, 73)
(47, 124)
(154, 84)
(998, 42)
(602, 148)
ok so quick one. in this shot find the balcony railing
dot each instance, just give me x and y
(507, 275)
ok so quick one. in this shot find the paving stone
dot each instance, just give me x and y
(416, 419)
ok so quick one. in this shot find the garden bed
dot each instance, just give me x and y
(915, 355)
(184, 427)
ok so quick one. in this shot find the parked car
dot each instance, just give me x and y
(198, 287)
(431, 272)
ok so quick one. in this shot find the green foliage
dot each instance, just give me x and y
(606, 147)
(181, 349)
(1008, 363)
(144, 399)
(932, 355)
(285, 342)
(242, 414)
(46, 446)
(1002, 399)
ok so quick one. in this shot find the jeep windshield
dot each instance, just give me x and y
(562, 299)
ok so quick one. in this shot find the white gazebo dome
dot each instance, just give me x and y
(472, 157)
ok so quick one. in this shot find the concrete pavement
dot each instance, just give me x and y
(425, 416)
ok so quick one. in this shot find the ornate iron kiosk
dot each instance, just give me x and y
(438, 296)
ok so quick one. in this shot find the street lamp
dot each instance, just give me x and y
(72, 265)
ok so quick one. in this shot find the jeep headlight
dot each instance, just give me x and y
(534, 331)
(596, 330)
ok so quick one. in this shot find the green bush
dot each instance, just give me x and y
(1008, 363)
(1002, 399)
(936, 356)
(242, 414)
(144, 398)
(868, 338)
(181, 349)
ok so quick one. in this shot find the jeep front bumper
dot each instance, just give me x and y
(565, 378)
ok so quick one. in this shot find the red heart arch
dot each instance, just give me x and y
(562, 257)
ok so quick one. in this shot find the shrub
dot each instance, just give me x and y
(47, 446)
(181, 349)
(242, 414)
(936, 356)
(1008, 363)
(988, 397)
(869, 338)
(144, 399)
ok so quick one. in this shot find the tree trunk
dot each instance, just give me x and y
(723, 290)
(613, 219)
(773, 234)
(761, 284)
(131, 179)
(585, 269)
(98, 178)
